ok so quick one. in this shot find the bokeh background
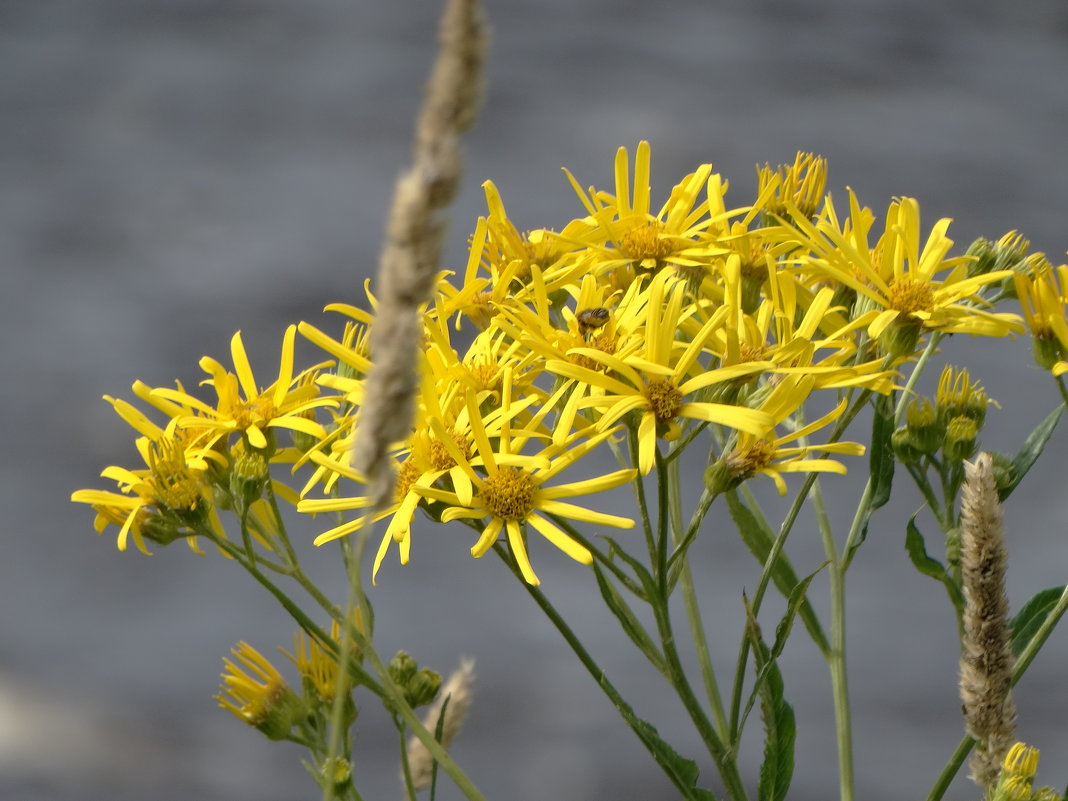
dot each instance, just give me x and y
(175, 170)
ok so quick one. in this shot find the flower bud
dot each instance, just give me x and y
(905, 449)
(925, 431)
(248, 476)
(961, 438)
(957, 396)
(422, 687)
(402, 668)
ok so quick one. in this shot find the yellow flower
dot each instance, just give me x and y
(799, 185)
(654, 382)
(510, 494)
(769, 455)
(897, 281)
(624, 233)
(509, 260)
(318, 664)
(785, 329)
(165, 501)
(1042, 297)
(617, 331)
(242, 407)
(254, 691)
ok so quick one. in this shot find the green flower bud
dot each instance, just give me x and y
(422, 688)
(905, 450)
(1004, 471)
(961, 441)
(925, 431)
(402, 668)
(248, 476)
(957, 396)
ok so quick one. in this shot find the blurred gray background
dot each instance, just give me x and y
(174, 170)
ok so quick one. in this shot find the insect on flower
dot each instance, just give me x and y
(590, 319)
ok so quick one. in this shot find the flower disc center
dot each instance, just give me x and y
(509, 495)
(665, 399)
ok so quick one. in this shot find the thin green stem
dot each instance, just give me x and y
(773, 556)
(693, 609)
(348, 634)
(643, 504)
(921, 363)
(723, 756)
(643, 731)
(406, 768)
(836, 659)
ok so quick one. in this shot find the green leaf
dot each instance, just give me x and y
(794, 604)
(780, 733)
(882, 452)
(759, 540)
(628, 620)
(682, 772)
(928, 565)
(1033, 614)
(439, 733)
(645, 587)
(1031, 450)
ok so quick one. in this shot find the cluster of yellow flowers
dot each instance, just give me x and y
(629, 323)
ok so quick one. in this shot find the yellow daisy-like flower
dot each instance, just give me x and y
(655, 381)
(317, 664)
(512, 494)
(242, 407)
(501, 262)
(625, 233)
(769, 455)
(165, 501)
(799, 185)
(1042, 299)
(898, 280)
(254, 691)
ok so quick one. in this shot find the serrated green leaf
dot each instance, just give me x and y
(759, 540)
(780, 734)
(928, 565)
(882, 452)
(1031, 450)
(1033, 614)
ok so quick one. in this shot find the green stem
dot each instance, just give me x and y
(773, 556)
(721, 755)
(836, 659)
(348, 634)
(643, 504)
(406, 768)
(921, 363)
(693, 609)
(643, 731)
